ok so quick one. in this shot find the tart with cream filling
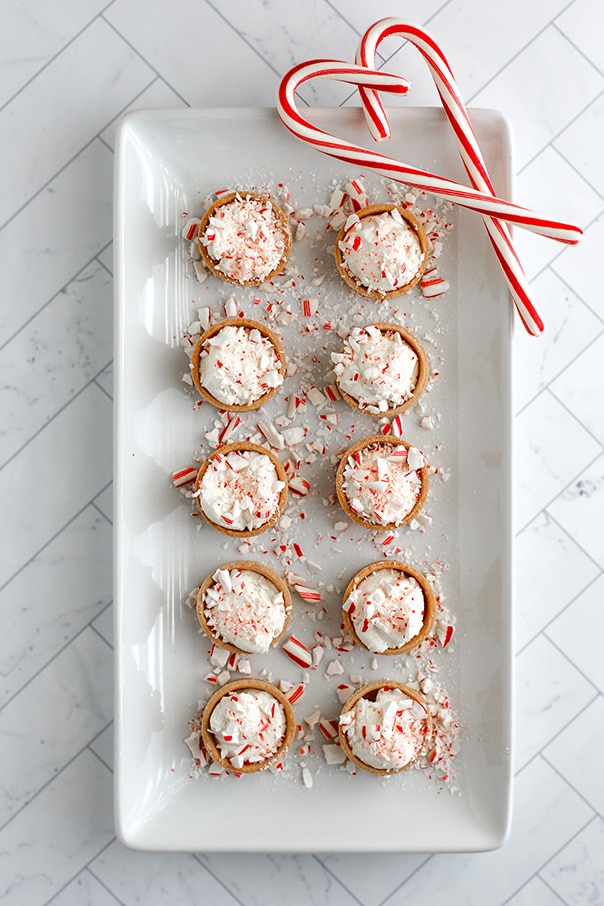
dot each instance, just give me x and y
(241, 489)
(385, 727)
(389, 607)
(382, 483)
(244, 607)
(244, 238)
(381, 369)
(237, 364)
(381, 251)
(247, 725)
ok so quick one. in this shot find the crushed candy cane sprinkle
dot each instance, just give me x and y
(315, 308)
(244, 608)
(377, 368)
(238, 365)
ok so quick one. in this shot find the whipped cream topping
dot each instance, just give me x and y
(244, 608)
(381, 251)
(388, 733)
(238, 365)
(386, 609)
(248, 726)
(246, 239)
(377, 368)
(382, 482)
(240, 490)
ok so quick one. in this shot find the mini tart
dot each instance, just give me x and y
(429, 604)
(248, 324)
(281, 224)
(358, 448)
(370, 692)
(423, 364)
(281, 476)
(247, 685)
(374, 210)
(248, 565)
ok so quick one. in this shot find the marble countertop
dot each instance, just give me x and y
(69, 72)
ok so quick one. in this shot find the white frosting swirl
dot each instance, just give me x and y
(376, 368)
(381, 251)
(248, 726)
(240, 490)
(238, 365)
(386, 609)
(246, 239)
(388, 733)
(244, 608)
(382, 484)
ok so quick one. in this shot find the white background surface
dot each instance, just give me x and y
(68, 72)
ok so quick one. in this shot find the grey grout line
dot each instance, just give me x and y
(551, 889)
(100, 386)
(558, 374)
(55, 295)
(217, 879)
(570, 839)
(104, 515)
(99, 880)
(554, 138)
(338, 881)
(55, 415)
(569, 659)
(96, 754)
(543, 630)
(384, 902)
(570, 287)
(563, 777)
(245, 40)
(51, 659)
(68, 163)
(54, 57)
(518, 53)
(32, 798)
(100, 634)
(577, 48)
(102, 263)
(559, 732)
(153, 69)
(52, 538)
(86, 869)
(578, 172)
(566, 408)
(578, 545)
(560, 492)
(524, 886)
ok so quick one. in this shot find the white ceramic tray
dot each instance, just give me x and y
(167, 163)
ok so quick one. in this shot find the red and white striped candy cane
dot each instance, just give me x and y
(483, 202)
(469, 149)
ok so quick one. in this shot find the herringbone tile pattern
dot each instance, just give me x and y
(68, 72)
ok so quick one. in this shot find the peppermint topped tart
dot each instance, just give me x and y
(244, 607)
(381, 369)
(382, 483)
(244, 238)
(385, 727)
(247, 725)
(389, 607)
(241, 489)
(237, 364)
(381, 251)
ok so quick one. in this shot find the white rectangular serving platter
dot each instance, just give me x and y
(167, 163)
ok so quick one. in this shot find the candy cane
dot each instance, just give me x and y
(485, 203)
(469, 149)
